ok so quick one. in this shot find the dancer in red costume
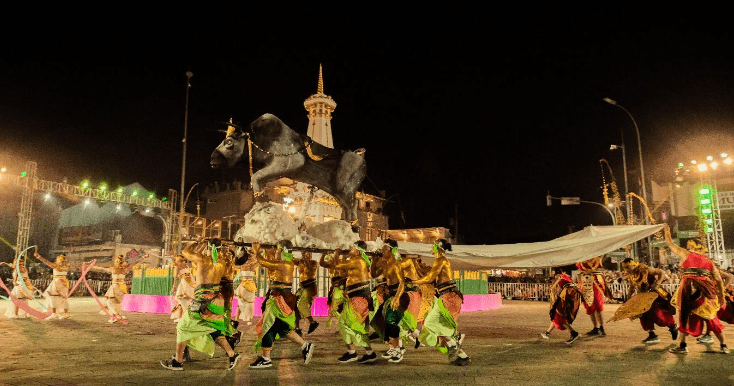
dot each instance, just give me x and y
(594, 288)
(651, 303)
(565, 302)
(726, 312)
(700, 294)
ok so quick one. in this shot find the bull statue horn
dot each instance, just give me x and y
(230, 128)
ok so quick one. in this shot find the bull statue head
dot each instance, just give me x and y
(272, 150)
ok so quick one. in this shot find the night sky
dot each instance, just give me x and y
(480, 116)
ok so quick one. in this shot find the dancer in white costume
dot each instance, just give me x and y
(57, 292)
(245, 294)
(23, 289)
(118, 288)
(184, 290)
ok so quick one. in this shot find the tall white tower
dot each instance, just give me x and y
(317, 205)
(320, 107)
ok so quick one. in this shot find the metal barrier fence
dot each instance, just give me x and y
(541, 291)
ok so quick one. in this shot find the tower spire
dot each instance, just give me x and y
(320, 107)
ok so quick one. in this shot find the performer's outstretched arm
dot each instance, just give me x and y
(44, 261)
(677, 249)
(432, 274)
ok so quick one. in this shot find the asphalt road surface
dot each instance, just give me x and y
(504, 344)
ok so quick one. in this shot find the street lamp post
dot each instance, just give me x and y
(642, 167)
(182, 202)
(639, 147)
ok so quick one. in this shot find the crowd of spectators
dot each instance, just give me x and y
(536, 287)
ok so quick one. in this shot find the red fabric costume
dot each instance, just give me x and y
(591, 276)
(697, 296)
(565, 301)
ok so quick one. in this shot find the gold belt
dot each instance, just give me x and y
(280, 285)
(696, 272)
(353, 289)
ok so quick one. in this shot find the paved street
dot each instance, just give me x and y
(504, 345)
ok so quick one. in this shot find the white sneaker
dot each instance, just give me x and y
(261, 363)
(307, 352)
(453, 350)
(705, 339)
(397, 356)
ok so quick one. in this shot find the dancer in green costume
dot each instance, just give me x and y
(440, 326)
(354, 318)
(402, 302)
(307, 268)
(278, 319)
(205, 324)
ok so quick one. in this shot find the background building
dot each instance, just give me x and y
(697, 200)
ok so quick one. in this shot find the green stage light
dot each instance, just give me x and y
(705, 207)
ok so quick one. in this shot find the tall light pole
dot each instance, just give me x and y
(181, 208)
(642, 167)
(639, 147)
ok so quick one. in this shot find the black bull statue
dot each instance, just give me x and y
(272, 150)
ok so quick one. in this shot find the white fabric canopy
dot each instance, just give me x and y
(576, 247)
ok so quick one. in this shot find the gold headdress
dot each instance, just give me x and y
(60, 259)
(696, 247)
(630, 264)
(119, 260)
